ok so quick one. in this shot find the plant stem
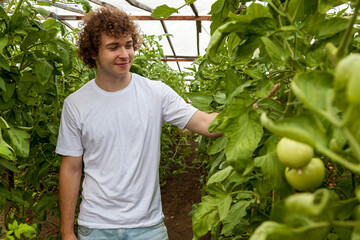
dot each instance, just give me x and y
(276, 9)
(353, 183)
(9, 6)
(345, 41)
(353, 143)
(346, 223)
(17, 6)
(289, 107)
(355, 168)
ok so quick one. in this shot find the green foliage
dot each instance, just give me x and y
(20, 231)
(38, 69)
(280, 69)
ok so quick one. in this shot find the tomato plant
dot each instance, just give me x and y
(308, 177)
(294, 154)
(269, 70)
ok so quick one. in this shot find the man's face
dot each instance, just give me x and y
(115, 56)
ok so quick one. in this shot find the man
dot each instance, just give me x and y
(113, 125)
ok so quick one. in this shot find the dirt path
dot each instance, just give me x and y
(178, 195)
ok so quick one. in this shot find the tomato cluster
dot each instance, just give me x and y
(303, 172)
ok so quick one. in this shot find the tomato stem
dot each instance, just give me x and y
(340, 160)
(346, 223)
(345, 41)
(353, 143)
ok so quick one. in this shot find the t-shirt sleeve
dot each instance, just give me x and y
(69, 139)
(175, 110)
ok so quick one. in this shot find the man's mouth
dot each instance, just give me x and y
(122, 64)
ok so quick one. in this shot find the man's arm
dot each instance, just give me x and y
(200, 123)
(69, 185)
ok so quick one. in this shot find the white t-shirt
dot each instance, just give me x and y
(118, 135)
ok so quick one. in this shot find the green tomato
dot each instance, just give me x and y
(347, 74)
(294, 154)
(307, 178)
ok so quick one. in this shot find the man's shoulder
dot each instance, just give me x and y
(80, 93)
(146, 81)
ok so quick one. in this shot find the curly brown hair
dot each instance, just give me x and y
(109, 20)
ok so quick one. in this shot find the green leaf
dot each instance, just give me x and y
(4, 63)
(216, 39)
(6, 151)
(332, 26)
(19, 140)
(356, 233)
(303, 128)
(272, 168)
(243, 52)
(47, 201)
(262, 26)
(205, 217)
(223, 199)
(212, 209)
(44, 13)
(201, 100)
(315, 90)
(311, 204)
(272, 107)
(218, 145)
(235, 217)
(9, 165)
(3, 124)
(3, 42)
(10, 88)
(2, 84)
(220, 175)
(296, 9)
(242, 126)
(276, 52)
(257, 10)
(238, 90)
(40, 3)
(219, 97)
(219, 12)
(163, 11)
(65, 53)
(43, 70)
(253, 72)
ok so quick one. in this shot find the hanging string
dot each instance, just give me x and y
(297, 35)
(56, 12)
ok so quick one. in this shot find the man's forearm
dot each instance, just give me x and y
(69, 185)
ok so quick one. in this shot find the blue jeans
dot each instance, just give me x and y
(157, 232)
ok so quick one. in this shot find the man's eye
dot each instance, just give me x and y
(129, 46)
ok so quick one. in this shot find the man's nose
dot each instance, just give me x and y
(122, 53)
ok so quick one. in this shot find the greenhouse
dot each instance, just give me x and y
(181, 119)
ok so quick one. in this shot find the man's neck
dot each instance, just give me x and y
(110, 84)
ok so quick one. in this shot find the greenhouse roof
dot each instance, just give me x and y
(189, 29)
